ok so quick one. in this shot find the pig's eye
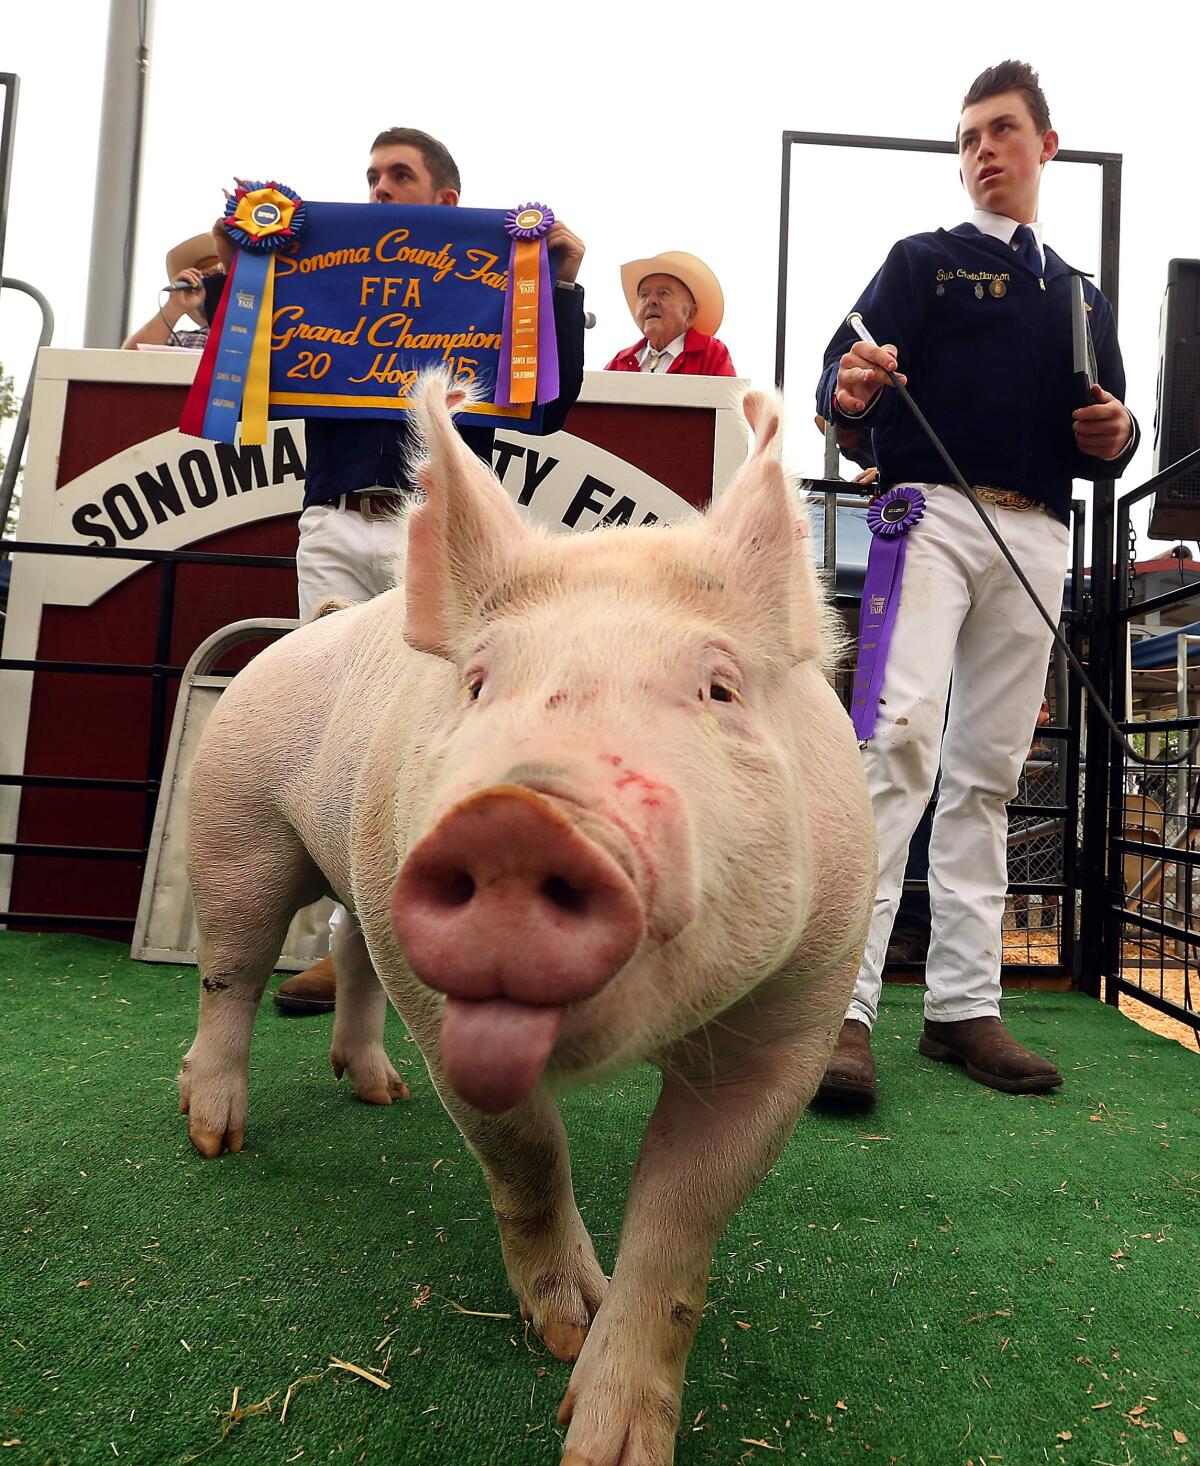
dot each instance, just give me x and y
(722, 692)
(475, 686)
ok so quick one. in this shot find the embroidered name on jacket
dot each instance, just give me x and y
(961, 274)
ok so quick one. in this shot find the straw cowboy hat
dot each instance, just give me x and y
(188, 255)
(695, 274)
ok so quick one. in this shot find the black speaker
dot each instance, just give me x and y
(1176, 512)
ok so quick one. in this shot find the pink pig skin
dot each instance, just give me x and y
(591, 800)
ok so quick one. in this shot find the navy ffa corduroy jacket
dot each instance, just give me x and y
(987, 352)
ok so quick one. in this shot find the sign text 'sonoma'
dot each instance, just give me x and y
(196, 479)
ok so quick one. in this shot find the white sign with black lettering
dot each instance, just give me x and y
(568, 483)
(172, 490)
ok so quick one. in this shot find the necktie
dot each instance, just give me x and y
(655, 358)
(1027, 250)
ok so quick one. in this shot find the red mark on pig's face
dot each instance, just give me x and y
(650, 797)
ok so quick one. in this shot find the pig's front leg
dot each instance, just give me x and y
(548, 1254)
(709, 1142)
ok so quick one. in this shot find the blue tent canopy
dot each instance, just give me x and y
(1160, 651)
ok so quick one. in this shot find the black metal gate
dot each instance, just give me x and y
(1151, 893)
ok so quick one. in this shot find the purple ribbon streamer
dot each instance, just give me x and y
(547, 377)
(504, 366)
(547, 387)
(881, 599)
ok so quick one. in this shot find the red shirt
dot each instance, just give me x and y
(702, 356)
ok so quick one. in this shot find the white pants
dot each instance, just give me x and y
(342, 554)
(966, 628)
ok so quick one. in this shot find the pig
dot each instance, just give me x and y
(591, 799)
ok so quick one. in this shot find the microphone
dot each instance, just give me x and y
(182, 285)
(589, 320)
(857, 325)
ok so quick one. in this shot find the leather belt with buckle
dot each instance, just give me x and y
(1001, 498)
(374, 503)
(1006, 498)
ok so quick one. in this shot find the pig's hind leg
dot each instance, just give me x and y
(246, 888)
(358, 1020)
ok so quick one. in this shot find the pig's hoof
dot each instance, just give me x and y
(216, 1110)
(563, 1339)
(210, 1143)
(561, 1302)
(375, 1081)
(621, 1410)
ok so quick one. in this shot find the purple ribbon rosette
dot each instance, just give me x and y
(530, 221)
(890, 517)
(528, 368)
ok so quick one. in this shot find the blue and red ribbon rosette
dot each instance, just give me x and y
(233, 378)
(528, 370)
(890, 517)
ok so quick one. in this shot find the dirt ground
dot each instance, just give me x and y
(1142, 967)
(1172, 988)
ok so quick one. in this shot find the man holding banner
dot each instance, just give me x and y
(978, 318)
(359, 446)
(357, 466)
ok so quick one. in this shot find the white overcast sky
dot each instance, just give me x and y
(646, 127)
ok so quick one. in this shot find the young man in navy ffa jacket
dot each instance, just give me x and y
(977, 321)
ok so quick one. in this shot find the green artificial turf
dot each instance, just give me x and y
(961, 1276)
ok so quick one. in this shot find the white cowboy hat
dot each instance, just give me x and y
(187, 256)
(695, 274)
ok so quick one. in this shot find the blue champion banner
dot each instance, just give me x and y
(373, 294)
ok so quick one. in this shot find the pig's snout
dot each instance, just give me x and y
(505, 899)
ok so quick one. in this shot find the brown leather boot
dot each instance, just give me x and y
(310, 991)
(849, 1079)
(990, 1055)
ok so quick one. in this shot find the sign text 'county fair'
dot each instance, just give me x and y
(199, 477)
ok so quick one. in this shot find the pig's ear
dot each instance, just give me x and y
(462, 538)
(759, 520)
(761, 411)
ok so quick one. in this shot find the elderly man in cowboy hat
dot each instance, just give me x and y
(187, 265)
(677, 303)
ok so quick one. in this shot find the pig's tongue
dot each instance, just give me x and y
(494, 1051)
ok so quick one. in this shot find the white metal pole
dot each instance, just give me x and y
(118, 171)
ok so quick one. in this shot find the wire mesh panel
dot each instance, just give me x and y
(1156, 855)
(1153, 959)
(1037, 827)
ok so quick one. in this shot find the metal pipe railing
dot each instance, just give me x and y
(12, 466)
